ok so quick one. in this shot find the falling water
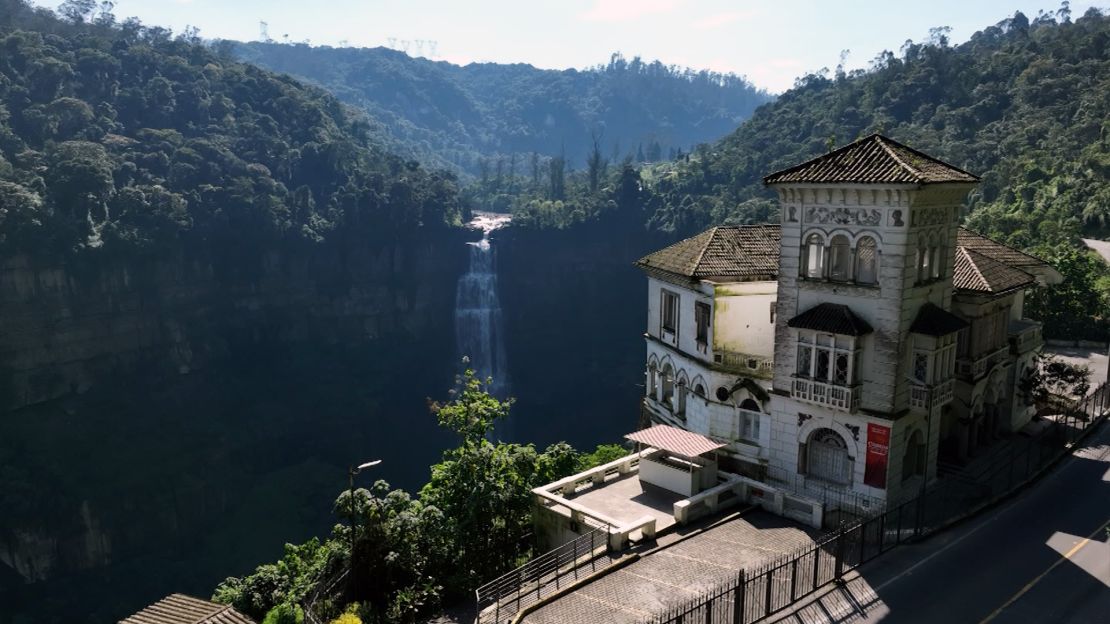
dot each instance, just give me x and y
(478, 326)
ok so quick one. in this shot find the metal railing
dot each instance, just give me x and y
(502, 598)
(750, 595)
(822, 393)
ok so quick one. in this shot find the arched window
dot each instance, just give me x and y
(750, 405)
(668, 383)
(681, 388)
(840, 258)
(922, 261)
(827, 457)
(813, 257)
(653, 380)
(699, 390)
(913, 462)
(937, 253)
(867, 261)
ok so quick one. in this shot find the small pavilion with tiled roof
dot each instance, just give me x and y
(684, 462)
(182, 609)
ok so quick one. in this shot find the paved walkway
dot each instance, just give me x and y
(674, 574)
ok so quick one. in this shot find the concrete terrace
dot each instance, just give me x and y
(627, 499)
(678, 570)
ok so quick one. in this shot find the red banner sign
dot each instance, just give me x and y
(878, 448)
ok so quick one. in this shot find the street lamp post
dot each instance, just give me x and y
(351, 472)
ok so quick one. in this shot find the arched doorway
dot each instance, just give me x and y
(827, 457)
(913, 461)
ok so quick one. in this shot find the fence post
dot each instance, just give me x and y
(838, 562)
(793, 579)
(738, 602)
(816, 565)
(768, 576)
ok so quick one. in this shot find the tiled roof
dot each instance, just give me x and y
(874, 159)
(733, 252)
(833, 318)
(975, 271)
(996, 251)
(675, 440)
(182, 609)
(933, 320)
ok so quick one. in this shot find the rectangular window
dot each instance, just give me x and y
(749, 426)
(821, 370)
(805, 355)
(701, 318)
(920, 367)
(668, 313)
(840, 372)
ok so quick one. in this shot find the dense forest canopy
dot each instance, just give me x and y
(486, 116)
(119, 135)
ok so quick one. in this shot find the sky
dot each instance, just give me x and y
(771, 43)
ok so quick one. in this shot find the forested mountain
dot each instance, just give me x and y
(121, 135)
(485, 116)
(1023, 104)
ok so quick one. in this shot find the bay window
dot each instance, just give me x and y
(828, 358)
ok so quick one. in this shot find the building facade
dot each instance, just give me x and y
(882, 337)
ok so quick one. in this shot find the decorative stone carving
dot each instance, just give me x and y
(792, 214)
(924, 217)
(896, 219)
(802, 418)
(844, 216)
(855, 431)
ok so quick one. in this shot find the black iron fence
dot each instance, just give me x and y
(752, 595)
(502, 598)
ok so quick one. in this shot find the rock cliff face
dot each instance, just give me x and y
(190, 414)
(574, 307)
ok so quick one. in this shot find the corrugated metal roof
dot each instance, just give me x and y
(874, 159)
(975, 271)
(833, 318)
(182, 609)
(675, 440)
(933, 320)
(726, 252)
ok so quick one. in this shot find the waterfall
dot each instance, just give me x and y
(478, 325)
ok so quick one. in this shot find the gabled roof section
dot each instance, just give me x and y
(933, 320)
(874, 159)
(979, 273)
(182, 609)
(833, 318)
(675, 440)
(743, 252)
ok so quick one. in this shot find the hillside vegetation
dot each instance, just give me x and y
(488, 116)
(124, 137)
(1023, 104)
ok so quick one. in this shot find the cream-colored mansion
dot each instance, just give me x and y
(846, 349)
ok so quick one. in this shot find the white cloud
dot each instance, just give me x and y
(625, 10)
(723, 19)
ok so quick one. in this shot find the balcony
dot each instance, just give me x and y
(927, 397)
(972, 369)
(820, 393)
(758, 366)
(1025, 336)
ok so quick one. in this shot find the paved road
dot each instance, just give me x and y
(1100, 246)
(1042, 557)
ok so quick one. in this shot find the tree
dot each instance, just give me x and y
(596, 164)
